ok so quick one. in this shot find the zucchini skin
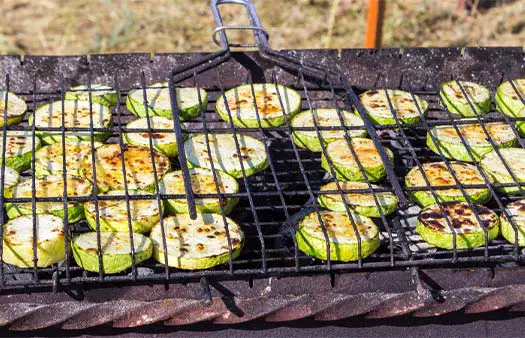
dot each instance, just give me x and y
(369, 211)
(74, 213)
(107, 99)
(464, 109)
(425, 198)
(11, 121)
(21, 162)
(197, 263)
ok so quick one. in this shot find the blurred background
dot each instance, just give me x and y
(111, 26)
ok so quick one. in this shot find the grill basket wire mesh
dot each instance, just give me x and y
(270, 200)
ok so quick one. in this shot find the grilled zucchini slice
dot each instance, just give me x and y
(159, 103)
(202, 182)
(224, 153)
(324, 118)
(115, 249)
(376, 105)
(516, 211)
(48, 159)
(11, 178)
(509, 102)
(113, 214)
(438, 175)
(361, 202)
(76, 115)
(456, 102)
(104, 95)
(345, 165)
(515, 160)
(138, 164)
(16, 108)
(196, 244)
(432, 225)
(165, 143)
(268, 98)
(18, 150)
(18, 241)
(452, 146)
(341, 234)
(50, 186)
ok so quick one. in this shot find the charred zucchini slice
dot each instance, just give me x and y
(113, 214)
(101, 94)
(18, 241)
(77, 114)
(165, 143)
(515, 160)
(475, 138)
(345, 165)
(115, 249)
(376, 105)
(433, 227)
(196, 244)
(138, 164)
(48, 159)
(50, 186)
(438, 174)
(16, 108)
(224, 153)
(516, 211)
(341, 234)
(458, 103)
(361, 202)
(159, 103)
(324, 118)
(18, 149)
(202, 182)
(268, 98)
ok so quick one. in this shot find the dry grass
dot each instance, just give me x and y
(105, 26)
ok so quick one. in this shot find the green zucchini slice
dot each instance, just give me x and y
(113, 214)
(376, 105)
(457, 103)
(268, 99)
(115, 250)
(508, 100)
(202, 182)
(196, 244)
(159, 103)
(48, 159)
(475, 138)
(324, 118)
(16, 108)
(341, 234)
(165, 143)
(18, 241)
(515, 160)
(138, 164)
(438, 175)
(104, 95)
(50, 186)
(433, 227)
(11, 178)
(345, 165)
(516, 211)
(224, 153)
(18, 152)
(77, 114)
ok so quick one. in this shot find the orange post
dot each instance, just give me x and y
(374, 24)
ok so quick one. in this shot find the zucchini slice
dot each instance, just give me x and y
(76, 115)
(361, 202)
(438, 175)
(433, 227)
(457, 103)
(48, 159)
(50, 186)
(224, 153)
(16, 108)
(104, 95)
(196, 244)
(202, 182)
(18, 152)
(268, 98)
(113, 214)
(165, 143)
(138, 164)
(11, 178)
(515, 160)
(508, 100)
(341, 234)
(159, 103)
(345, 165)
(325, 118)
(116, 250)
(376, 105)
(452, 147)
(18, 241)
(516, 211)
